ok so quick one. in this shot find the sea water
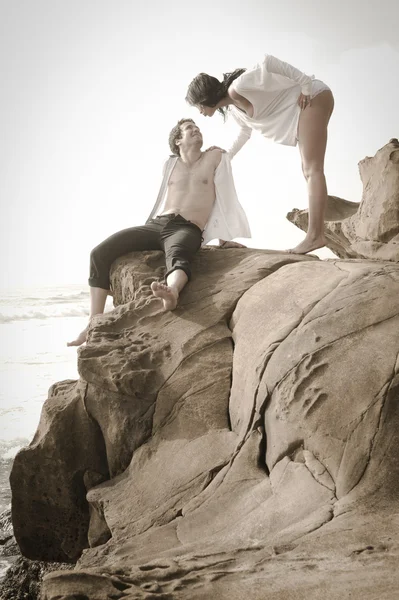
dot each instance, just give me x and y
(35, 325)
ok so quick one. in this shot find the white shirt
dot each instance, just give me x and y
(227, 220)
(273, 88)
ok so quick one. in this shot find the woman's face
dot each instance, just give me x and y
(207, 111)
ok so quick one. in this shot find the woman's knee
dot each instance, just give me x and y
(312, 169)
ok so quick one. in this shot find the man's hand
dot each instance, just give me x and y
(224, 244)
(215, 148)
(304, 101)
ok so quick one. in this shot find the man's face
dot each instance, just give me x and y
(190, 134)
(207, 111)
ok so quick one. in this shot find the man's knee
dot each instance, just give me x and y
(94, 253)
(98, 254)
(99, 267)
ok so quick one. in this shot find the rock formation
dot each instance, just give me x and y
(369, 229)
(244, 445)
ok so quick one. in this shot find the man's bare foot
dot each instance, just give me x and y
(80, 339)
(308, 245)
(167, 294)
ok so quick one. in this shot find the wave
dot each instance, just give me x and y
(43, 299)
(4, 566)
(45, 312)
(57, 299)
(8, 450)
(5, 520)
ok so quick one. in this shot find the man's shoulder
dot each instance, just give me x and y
(215, 151)
(214, 155)
(171, 160)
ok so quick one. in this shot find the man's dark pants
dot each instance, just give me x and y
(178, 238)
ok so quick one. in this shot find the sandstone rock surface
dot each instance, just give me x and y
(23, 580)
(243, 446)
(369, 229)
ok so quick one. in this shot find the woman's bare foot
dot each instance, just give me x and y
(80, 339)
(167, 294)
(308, 245)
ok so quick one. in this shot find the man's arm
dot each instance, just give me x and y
(228, 218)
(225, 243)
(216, 154)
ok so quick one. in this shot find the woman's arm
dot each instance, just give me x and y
(274, 65)
(242, 138)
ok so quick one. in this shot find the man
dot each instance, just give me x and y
(197, 202)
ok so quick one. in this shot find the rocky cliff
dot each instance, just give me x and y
(243, 446)
(369, 229)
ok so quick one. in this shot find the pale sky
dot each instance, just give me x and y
(91, 88)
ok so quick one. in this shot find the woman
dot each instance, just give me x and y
(285, 105)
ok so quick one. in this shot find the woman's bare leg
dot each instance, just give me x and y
(98, 298)
(312, 141)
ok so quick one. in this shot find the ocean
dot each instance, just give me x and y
(35, 325)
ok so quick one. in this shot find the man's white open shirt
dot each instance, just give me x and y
(228, 219)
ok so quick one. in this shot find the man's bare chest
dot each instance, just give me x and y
(201, 175)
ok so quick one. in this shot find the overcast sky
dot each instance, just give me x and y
(91, 88)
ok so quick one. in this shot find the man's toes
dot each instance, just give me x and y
(157, 286)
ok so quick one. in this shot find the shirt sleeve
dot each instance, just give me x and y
(274, 65)
(166, 171)
(243, 136)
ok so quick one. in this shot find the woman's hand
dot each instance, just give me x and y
(304, 101)
(215, 148)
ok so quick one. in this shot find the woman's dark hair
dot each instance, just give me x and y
(208, 91)
(176, 134)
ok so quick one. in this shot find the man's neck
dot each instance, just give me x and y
(190, 155)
